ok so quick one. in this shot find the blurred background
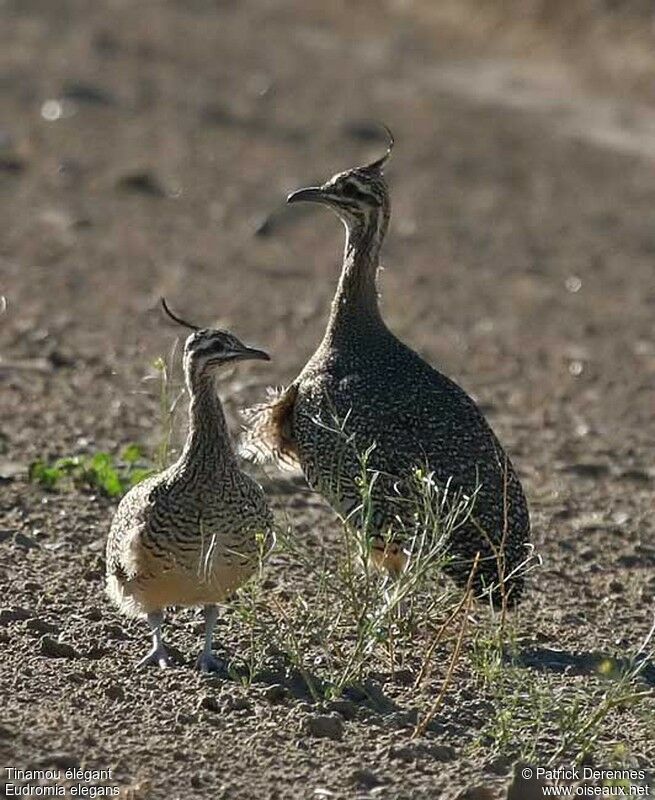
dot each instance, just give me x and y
(146, 149)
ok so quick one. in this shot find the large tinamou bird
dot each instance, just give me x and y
(364, 390)
(191, 535)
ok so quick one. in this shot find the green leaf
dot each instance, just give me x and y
(67, 465)
(131, 454)
(101, 461)
(47, 476)
(113, 476)
(101, 473)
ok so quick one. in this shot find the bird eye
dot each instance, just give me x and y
(348, 190)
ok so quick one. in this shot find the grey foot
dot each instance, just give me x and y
(402, 610)
(206, 662)
(157, 657)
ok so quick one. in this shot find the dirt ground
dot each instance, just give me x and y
(145, 150)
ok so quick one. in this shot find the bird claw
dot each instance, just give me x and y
(157, 657)
(207, 663)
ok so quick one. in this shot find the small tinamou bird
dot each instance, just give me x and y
(364, 391)
(194, 533)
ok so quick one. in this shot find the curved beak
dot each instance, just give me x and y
(250, 354)
(255, 354)
(313, 194)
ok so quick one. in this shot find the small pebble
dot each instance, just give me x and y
(345, 708)
(323, 726)
(41, 626)
(52, 648)
(402, 719)
(276, 693)
(415, 750)
(365, 778)
(500, 765)
(115, 692)
(404, 677)
(11, 164)
(209, 703)
(88, 94)
(22, 540)
(235, 704)
(115, 631)
(15, 614)
(141, 183)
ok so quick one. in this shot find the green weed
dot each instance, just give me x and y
(351, 617)
(539, 716)
(169, 394)
(115, 475)
(101, 471)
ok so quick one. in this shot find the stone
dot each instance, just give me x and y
(402, 719)
(500, 765)
(14, 614)
(365, 778)
(276, 693)
(88, 94)
(26, 542)
(209, 703)
(232, 703)
(141, 182)
(415, 750)
(323, 726)
(114, 631)
(345, 708)
(52, 648)
(39, 625)
(115, 692)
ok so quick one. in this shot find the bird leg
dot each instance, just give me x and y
(207, 661)
(157, 655)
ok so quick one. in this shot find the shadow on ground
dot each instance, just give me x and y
(545, 659)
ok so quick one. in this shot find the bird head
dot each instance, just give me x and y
(359, 196)
(208, 348)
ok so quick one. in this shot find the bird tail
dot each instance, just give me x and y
(268, 434)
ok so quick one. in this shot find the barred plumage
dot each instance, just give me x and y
(363, 388)
(192, 534)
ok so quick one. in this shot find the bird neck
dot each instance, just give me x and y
(208, 446)
(355, 302)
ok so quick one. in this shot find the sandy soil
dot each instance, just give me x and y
(146, 149)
